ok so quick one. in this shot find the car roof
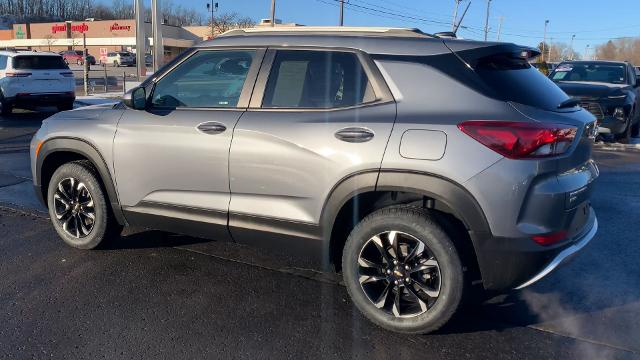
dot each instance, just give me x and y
(26, 52)
(372, 40)
(614, 62)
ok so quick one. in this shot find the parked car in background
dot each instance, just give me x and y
(348, 153)
(120, 58)
(148, 59)
(76, 56)
(31, 79)
(607, 89)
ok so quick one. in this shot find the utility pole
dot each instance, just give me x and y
(571, 47)
(341, 12)
(273, 12)
(455, 15)
(212, 8)
(544, 39)
(85, 64)
(550, 45)
(486, 21)
(156, 24)
(141, 40)
(500, 27)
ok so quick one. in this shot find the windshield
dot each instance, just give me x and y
(590, 72)
(36, 62)
(124, 54)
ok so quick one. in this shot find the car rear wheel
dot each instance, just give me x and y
(402, 271)
(78, 207)
(625, 136)
(115, 63)
(5, 108)
(65, 106)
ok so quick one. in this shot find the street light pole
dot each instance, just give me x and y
(141, 40)
(544, 39)
(571, 47)
(273, 12)
(500, 27)
(212, 7)
(486, 21)
(586, 51)
(341, 12)
(158, 48)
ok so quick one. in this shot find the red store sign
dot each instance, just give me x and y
(116, 27)
(81, 28)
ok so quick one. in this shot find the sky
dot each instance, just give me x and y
(593, 22)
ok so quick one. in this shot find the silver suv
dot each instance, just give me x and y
(419, 167)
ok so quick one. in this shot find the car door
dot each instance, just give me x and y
(316, 117)
(171, 160)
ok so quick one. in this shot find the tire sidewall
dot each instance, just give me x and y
(440, 246)
(86, 176)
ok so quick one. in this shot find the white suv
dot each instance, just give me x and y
(31, 79)
(121, 58)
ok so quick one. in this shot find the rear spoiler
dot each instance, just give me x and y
(472, 51)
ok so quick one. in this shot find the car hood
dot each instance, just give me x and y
(92, 112)
(590, 89)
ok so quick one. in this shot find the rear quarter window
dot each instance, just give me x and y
(514, 79)
(38, 62)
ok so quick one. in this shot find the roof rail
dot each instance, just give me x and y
(412, 32)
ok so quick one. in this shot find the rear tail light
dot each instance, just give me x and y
(520, 140)
(67, 74)
(550, 239)
(20, 74)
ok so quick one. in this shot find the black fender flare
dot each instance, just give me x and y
(88, 151)
(457, 199)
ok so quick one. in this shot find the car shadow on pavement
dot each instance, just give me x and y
(147, 239)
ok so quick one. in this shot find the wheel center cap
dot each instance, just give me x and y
(398, 272)
(76, 208)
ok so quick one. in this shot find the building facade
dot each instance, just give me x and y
(100, 37)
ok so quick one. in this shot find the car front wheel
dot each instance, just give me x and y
(78, 206)
(402, 271)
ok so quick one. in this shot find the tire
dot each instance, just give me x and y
(65, 106)
(635, 130)
(115, 63)
(444, 281)
(7, 109)
(625, 136)
(85, 181)
(79, 62)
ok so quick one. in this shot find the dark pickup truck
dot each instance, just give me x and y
(608, 89)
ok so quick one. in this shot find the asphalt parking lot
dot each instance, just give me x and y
(157, 295)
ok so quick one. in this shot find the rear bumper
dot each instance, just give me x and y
(520, 262)
(38, 99)
(564, 255)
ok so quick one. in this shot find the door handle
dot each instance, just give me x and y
(212, 127)
(354, 134)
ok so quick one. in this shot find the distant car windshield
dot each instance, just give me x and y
(38, 62)
(124, 54)
(590, 72)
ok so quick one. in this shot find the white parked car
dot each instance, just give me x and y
(120, 58)
(31, 79)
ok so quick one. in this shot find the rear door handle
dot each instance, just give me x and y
(354, 134)
(212, 127)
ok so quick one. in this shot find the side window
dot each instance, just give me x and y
(631, 73)
(316, 80)
(3, 62)
(208, 79)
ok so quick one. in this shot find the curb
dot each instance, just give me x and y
(617, 147)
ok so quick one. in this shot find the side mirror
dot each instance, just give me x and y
(136, 98)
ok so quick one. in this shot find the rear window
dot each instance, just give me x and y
(514, 79)
(36, 62)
